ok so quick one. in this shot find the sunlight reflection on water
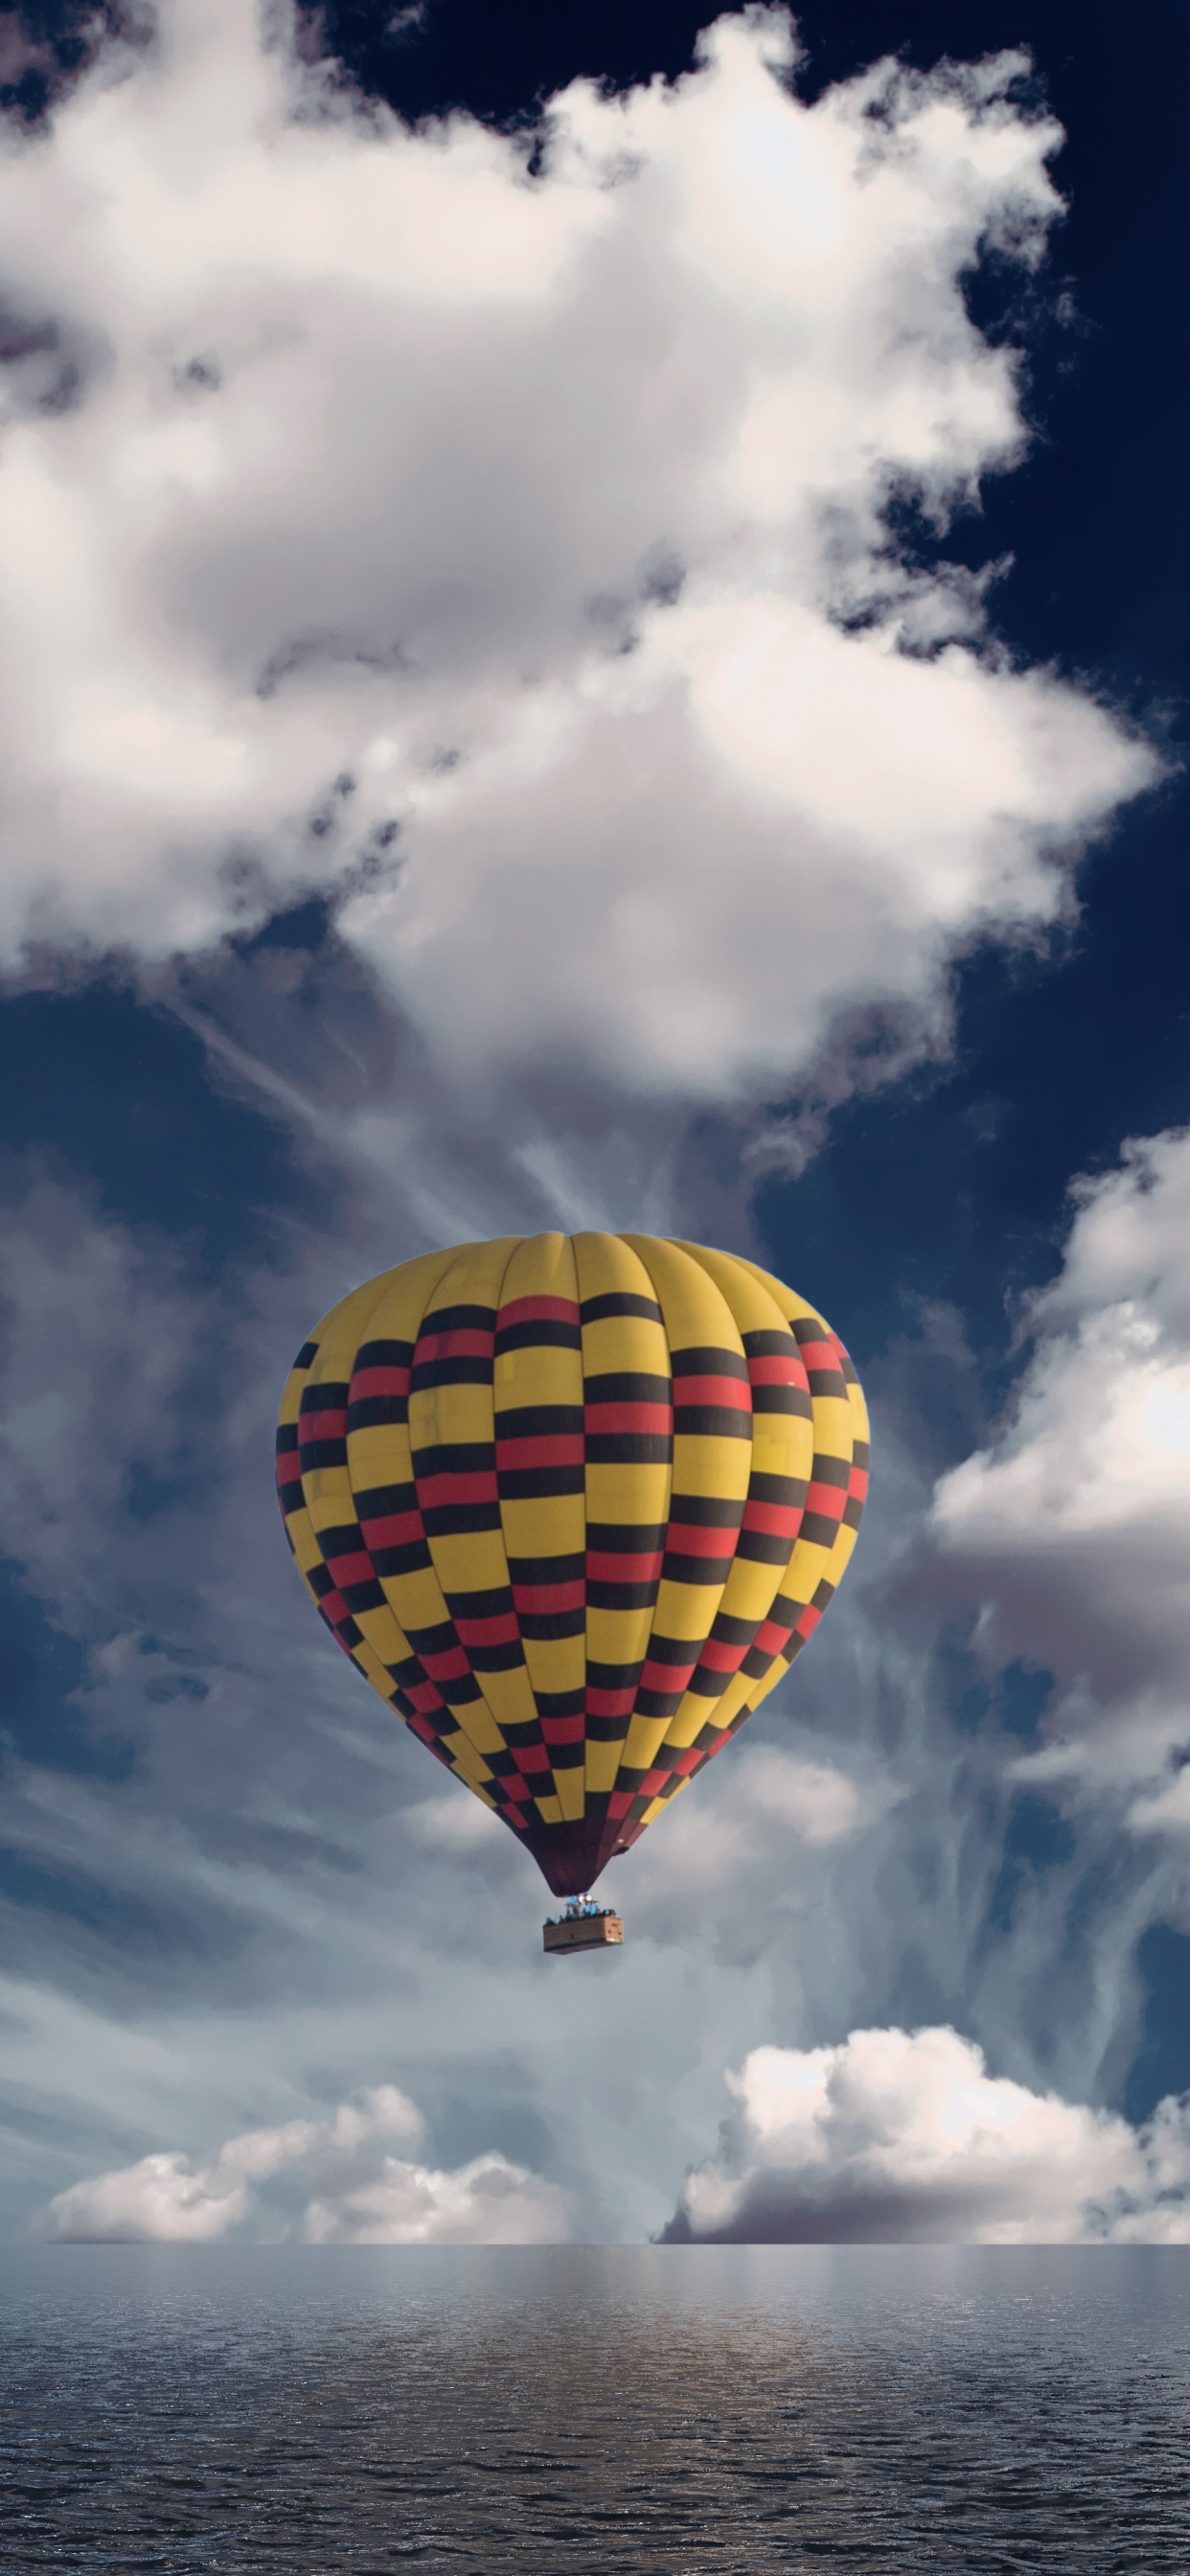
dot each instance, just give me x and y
(700, 2410)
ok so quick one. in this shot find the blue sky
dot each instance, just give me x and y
(619, 661)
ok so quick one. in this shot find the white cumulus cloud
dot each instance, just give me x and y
(1072, 1531)
(358, 2189)
(366, 497)
(903, 2136)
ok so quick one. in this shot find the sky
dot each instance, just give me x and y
(593, 628)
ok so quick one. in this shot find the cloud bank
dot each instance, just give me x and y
(1072, 1530)
(503, 546)
(357, 2190)
(903, 2137)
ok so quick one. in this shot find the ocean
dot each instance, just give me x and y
(697, 2410)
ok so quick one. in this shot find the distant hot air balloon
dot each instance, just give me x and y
(572, 1505)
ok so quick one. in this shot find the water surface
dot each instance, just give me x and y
(710, 2411)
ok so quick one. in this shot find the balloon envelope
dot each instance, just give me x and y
(572, 1505)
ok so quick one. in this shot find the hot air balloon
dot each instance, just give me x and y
(572, 1505)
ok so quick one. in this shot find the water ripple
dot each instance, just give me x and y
(690, 2411)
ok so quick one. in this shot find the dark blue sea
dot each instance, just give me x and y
(702, 2410)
